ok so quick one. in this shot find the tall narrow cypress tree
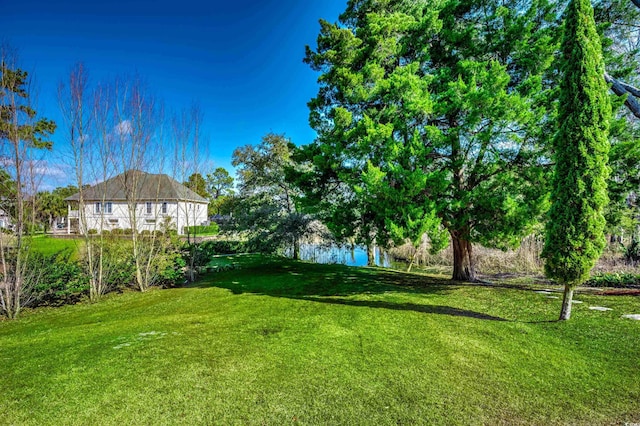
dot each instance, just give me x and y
(575, 230)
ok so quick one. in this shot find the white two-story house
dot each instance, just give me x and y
(136, 200)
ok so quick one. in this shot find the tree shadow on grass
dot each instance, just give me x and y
(427, 309)
(334, 283)
(285, 277)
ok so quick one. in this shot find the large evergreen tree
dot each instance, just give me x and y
(432, 115)
(575, 237)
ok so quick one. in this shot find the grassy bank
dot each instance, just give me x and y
(274, 342)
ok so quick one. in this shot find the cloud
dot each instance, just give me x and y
(123, 128)
(53, 171)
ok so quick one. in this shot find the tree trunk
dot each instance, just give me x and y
(142, 284)
(622, 89)
(464, 268)
(296, 249)
(565, 313)
(192, 263)
(371, 256)
(413, 259)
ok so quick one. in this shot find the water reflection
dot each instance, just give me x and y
(346, 255)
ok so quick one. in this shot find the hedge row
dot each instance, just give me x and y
(201, 230)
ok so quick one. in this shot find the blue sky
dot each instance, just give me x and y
(240, 60)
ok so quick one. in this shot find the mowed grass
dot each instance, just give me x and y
(278, 342)
(48, 245)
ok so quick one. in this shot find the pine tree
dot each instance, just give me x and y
(575, 231)
(21, 132)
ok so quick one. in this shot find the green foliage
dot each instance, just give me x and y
(614, 279)
(119, 267)
(195, 254)
(624, 161)
(616, 21)
(52, 205)
(59, 278)
(197, 184)
(222, 207)
(199, 255)
(212, 229)
(224, 246)
(575, 237)
(7, 193)
(161, 254)
(219, 183)
(632, 251)
(431, 118)
(17, 117)
(171, 269)
(267, 208)
(92, 231)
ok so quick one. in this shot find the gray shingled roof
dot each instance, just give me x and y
(142, 186)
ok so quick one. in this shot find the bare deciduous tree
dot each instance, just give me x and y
(86, 118)
(187, 128)
(138, 148)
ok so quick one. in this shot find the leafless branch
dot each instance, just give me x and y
(622, 89)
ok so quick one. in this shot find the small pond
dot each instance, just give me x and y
(346, 255)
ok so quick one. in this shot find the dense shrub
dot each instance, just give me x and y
(171, 269)
(226, 246)
(614, 279)
(92, 231)
(203, 252)
(212, 229)
(208, 250)
(57, 278)
(118, 264)
(195, 255)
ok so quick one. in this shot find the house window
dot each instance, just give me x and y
(164, 208)
(107, 207)
(98, 205)
(148, 208)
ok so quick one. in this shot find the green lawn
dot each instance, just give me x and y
(48, 245)
(275, 342)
